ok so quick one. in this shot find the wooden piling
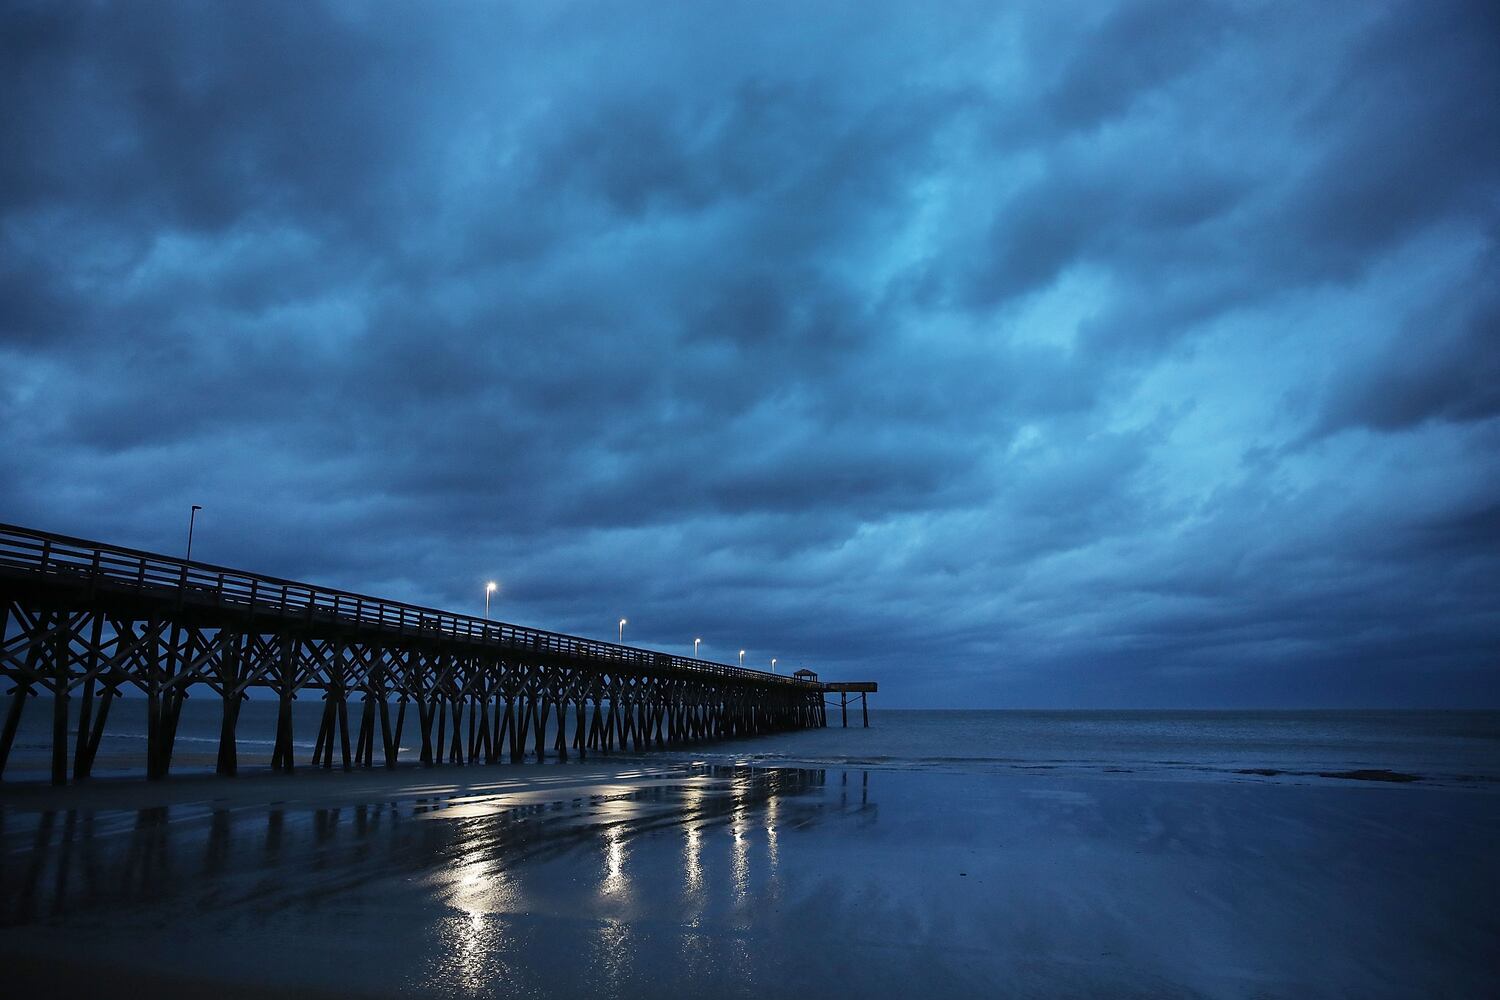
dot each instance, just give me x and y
(86, 704)
(424, 723)
(497, 738)
(286, 684)
(322, 754)
(107, 698)
(456, 747)
(364, 747)
(393, 751)
(232, 695)
(12, 721)
(578, 726)
(343, 723)
(540, 731)
(281, 753)
(60, 663)
(228, 762)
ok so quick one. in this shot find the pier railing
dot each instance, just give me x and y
(95, 564)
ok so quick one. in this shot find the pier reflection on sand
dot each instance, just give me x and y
(458, 880)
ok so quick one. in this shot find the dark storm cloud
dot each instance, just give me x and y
(1444, 366)
(1134, 49)
(1096, 354)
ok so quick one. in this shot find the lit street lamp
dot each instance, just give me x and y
(623, 623)
(742, 657)
(489, 589)
(695, 648)
(192, 515)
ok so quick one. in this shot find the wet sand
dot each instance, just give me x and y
(620, 880)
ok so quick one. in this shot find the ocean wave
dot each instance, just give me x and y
(211, 740)
(1160, 769)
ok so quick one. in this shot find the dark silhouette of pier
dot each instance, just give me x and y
(86, 619)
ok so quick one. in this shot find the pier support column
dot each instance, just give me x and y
(12, 720)
(342, 707)
(456, 747)
(281, 754)
(424, 723)
(60, 655)
(86, 705)
(580, 720)
(539, 728)
(497, 736)
(286, 684)
(392, 737)
(364, 744)
(229, 676)
(505, 724)
(485, 746)
(520, 728)
(596, 727)
(511, 726)
(84, 765)
(323, 746)
(228, 762)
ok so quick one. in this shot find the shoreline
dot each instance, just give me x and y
(310, 784)
(127, 790)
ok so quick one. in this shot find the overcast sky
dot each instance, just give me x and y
(1009, 354)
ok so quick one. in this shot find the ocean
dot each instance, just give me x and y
(1457, 748)
(1440, 747)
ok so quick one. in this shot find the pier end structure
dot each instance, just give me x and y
(862, 689)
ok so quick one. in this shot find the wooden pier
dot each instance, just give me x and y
(86, 619)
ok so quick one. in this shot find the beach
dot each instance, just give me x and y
(641, 878)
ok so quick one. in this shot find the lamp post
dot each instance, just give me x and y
(742, 657)
(192, 516)
(773, 664)
(489, 589)
(623, 623)
(695, 648)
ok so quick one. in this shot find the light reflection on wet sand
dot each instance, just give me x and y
(772, 809)
(478, 859)
(615, 883)
(480, 890)
(692, 858)
(739, 865)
